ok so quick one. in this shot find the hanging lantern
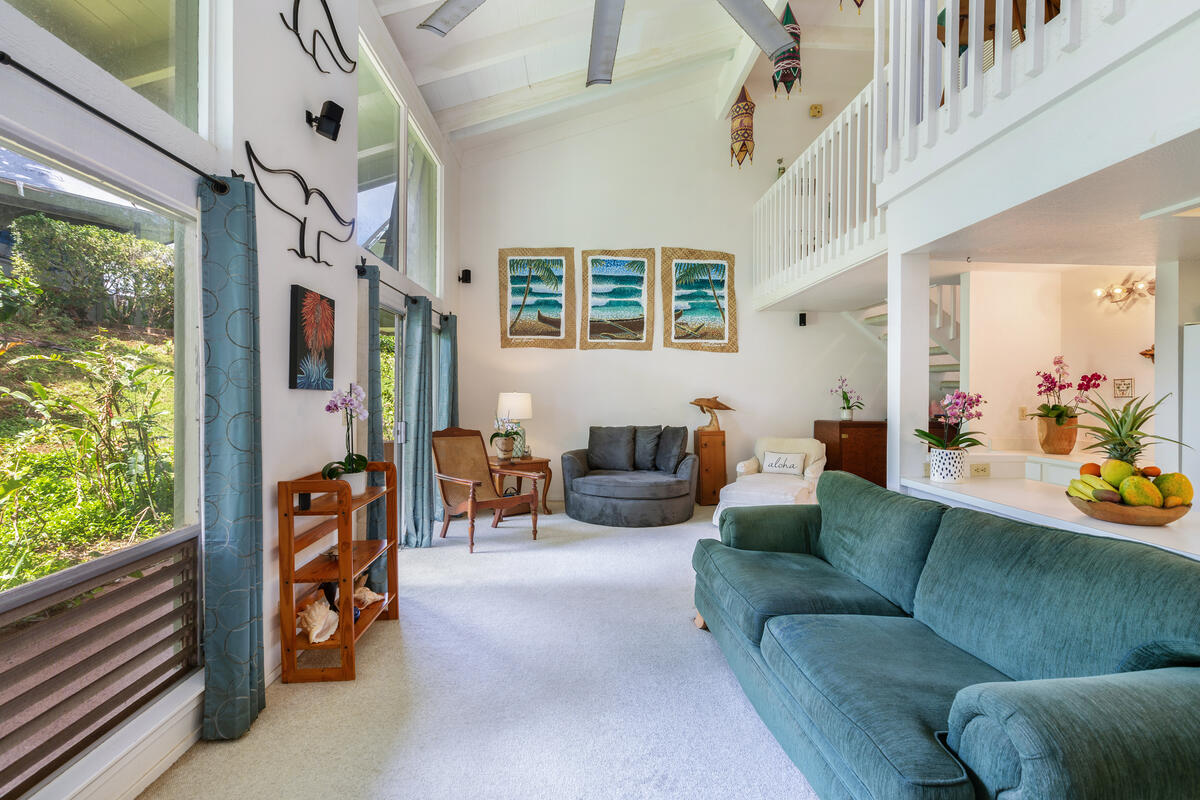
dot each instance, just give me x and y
(858, 3)
(741, 136)
(787, 63)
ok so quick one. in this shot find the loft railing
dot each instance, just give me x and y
(938, 89)
(820, 216)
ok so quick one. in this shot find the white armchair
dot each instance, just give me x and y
(754, 487)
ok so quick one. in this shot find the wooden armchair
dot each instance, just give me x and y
(467, 482)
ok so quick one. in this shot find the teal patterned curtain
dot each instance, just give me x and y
(376, 512)
(234, 690)
(447, 407)
(418, 417)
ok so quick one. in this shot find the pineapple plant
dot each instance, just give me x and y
(1119, 434)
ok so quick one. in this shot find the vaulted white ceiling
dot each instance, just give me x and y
(515, 60)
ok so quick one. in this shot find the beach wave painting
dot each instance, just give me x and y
(537, 299)
(701, 303)
(618, 299)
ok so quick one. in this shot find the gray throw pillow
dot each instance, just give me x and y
(645, 446)
(671, 447)
(610, 448)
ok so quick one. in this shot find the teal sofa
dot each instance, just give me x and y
(899, 649)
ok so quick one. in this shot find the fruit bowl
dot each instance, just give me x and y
(1128, 515)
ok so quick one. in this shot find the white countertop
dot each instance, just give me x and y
(1046, 504)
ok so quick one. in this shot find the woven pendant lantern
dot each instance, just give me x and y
(741, 135)
(787, 63)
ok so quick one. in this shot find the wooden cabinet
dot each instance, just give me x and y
(858, 446)
(710, 449)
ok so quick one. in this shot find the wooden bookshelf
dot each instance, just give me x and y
(332, 499)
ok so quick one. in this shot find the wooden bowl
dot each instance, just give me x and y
(1128, 515)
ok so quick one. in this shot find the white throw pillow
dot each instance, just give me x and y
(784, 463)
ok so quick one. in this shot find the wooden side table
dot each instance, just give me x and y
(710, 448)
(526, 464)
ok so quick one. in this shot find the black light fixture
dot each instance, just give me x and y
(464, 276)
(329, 123)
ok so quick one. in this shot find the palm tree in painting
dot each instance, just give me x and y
(692, 271)
(530, 268)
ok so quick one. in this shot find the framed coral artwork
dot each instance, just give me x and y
(618, 300)
(537, 297)
(310, 359)
(699, 303)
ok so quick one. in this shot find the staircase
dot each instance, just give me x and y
(945, 341)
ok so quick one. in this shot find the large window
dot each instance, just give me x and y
(152, 46)
(98, 410)
(421, 256)
(378, 165)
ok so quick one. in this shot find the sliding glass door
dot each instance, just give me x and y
(391, 353)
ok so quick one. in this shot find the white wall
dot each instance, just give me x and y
(1014, 326)
(1099, 336)
(650, 175)
(1016, 322)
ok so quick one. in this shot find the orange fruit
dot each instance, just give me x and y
(1090, 469)
(1151, 472)
(1172, 502)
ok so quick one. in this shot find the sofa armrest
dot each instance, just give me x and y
(689, 470)
(1132, 734)
(813, 471)
(781, 529)
(574, 465)
(748, 467)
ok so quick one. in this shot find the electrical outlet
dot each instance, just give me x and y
(981, 470)
(1022, 413)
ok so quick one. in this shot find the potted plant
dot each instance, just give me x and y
(353, 468)
(948, 454)
(1058, 421)
(850, 400)
(508, 432)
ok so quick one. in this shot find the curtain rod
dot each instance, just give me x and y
(218, 186)
(361, 269)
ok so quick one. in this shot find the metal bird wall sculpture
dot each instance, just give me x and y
(288, 191)
(312, 23)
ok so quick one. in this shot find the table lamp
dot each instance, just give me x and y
(516, 406)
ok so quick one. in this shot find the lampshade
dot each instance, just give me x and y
(514, 405)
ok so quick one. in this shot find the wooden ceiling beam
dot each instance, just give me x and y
(641, 67)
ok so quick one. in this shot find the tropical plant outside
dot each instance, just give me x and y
(87, 402)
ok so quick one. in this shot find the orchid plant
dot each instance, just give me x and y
(849, 398)
(959, 408)
(352, 405)
(509, 429)
(1052, 386)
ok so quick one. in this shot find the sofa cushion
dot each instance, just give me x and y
(610, 447)
(879, 537)
(671, 447)
(878, 689)
(645, 445)
(754, 585)
(631, 485)
(1038, 602)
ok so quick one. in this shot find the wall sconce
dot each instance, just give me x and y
(329, 123)
(1125, 291)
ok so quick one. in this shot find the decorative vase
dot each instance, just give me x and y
(1055, 439)
(357, 481)
(504, 448)
(947, 466)
(848, 414)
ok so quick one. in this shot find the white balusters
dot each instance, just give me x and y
(1002, 47)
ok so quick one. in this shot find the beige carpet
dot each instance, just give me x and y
(562, 668)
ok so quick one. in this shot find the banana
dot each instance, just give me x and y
(1081, 490)
(1098, 483)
